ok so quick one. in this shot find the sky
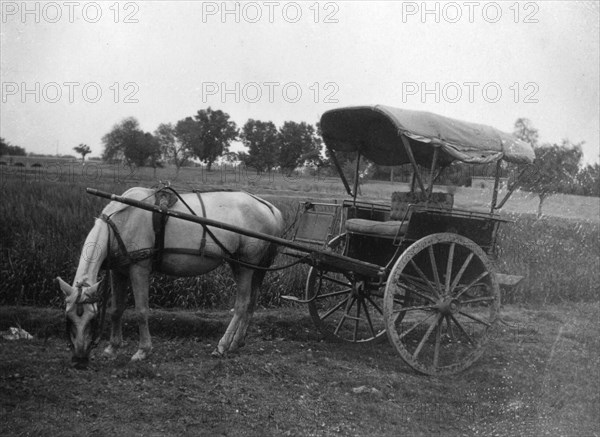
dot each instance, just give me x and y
(71, 70)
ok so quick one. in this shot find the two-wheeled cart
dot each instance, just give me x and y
(417, 270)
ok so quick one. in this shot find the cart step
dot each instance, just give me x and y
(508, 280)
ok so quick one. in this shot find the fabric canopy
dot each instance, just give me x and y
(376, 132)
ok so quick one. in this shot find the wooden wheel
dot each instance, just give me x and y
(343, 307)
(441, 303)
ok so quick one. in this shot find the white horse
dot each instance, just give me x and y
(189, 251)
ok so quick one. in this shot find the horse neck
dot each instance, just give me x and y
(94, 252)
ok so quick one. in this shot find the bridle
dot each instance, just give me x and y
(102, 300)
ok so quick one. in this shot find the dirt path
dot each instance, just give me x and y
(540, 377)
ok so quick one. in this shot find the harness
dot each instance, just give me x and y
(165, 198)
(100, 298)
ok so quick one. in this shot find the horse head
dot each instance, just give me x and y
(81, 311)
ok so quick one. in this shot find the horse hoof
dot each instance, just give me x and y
(217, 354)
(110, 352)
(139, 356)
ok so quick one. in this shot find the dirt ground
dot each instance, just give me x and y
(539, 377)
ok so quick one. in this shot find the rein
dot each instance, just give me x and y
(102, 299)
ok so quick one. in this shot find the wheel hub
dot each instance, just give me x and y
(448, 306)
(358, 289)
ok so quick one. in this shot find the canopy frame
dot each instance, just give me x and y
(386, 134)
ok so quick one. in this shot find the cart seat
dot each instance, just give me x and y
(398, 215)
(389, 229)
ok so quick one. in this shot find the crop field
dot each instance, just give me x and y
(47, 216)
(540, 377)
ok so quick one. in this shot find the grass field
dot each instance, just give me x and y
(45, 217)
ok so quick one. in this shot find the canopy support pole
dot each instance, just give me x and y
(496, 184)
(356, 176)
(414, 163)
(434, 160)
(340, 171)
(512, 187)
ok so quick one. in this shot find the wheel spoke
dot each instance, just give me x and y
(420, 307)
(461, 272)
(450, 330)
(335, 293)
(417, 292)
(449, 268)
(479, 278)
(405, 333)
(335, 308)
(465, 333)
(438, 338)
(478, 299)
(426, 336)
(346, 312)
(477, 319)
(379, 310)
(369, 318)
(436, 275)
(424, 278)
(356, 322)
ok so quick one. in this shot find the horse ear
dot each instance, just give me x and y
(66, 288)
(93, 290)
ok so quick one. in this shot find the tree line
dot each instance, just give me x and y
(558, 167)
(6, 148)
(207, 136)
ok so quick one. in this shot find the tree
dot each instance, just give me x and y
(8, 149)
(525, 131)
(3, 146)
(188, 132)
(262, 141)
(588, 180)
(172, 147)
(142, 149)
(298, 144)
(83, 149)
(126, 141)
(215, 134)
(119, 138)
(556, 169)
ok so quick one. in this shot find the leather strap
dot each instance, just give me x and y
(120, 243)
(203, 240)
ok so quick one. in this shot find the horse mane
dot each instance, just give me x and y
(136, 193)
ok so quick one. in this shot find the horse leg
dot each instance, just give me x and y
(117, 307)
(140, 282)
(244, 307)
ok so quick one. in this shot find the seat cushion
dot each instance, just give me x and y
(387, 229)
